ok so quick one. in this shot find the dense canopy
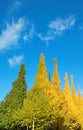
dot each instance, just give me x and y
(45, 106)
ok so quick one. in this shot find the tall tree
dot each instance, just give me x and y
(71, 118)
(56, 78)
(74, 97)
(42, 74)
(14, 99)
(80, 100)
(61, 105)
(67, 93)
(16, 96)
(67, 86)
(40, 104)
(79, 95)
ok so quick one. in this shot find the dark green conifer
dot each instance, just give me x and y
(14, 100)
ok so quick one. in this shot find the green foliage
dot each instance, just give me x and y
(13, 100)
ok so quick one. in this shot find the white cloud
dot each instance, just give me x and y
(29, 34)
(25, 37)
(11, 35)
(60, 25)
(45, 38)
(15, 60)
(57, 27)
(32, 31)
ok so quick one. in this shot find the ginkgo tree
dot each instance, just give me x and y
(40, 103)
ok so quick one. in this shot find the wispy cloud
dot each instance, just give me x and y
(14, 8)
(15, 60)
(57, 27)
(60, 25)
(45, 38)
(17, 3)
(30, 34)
(10, 36)
(25, 37)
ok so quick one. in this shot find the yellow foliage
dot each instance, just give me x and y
(56, 79)
(49, 106)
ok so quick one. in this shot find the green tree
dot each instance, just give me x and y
(14, 99)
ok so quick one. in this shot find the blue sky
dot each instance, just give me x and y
(31, 27)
